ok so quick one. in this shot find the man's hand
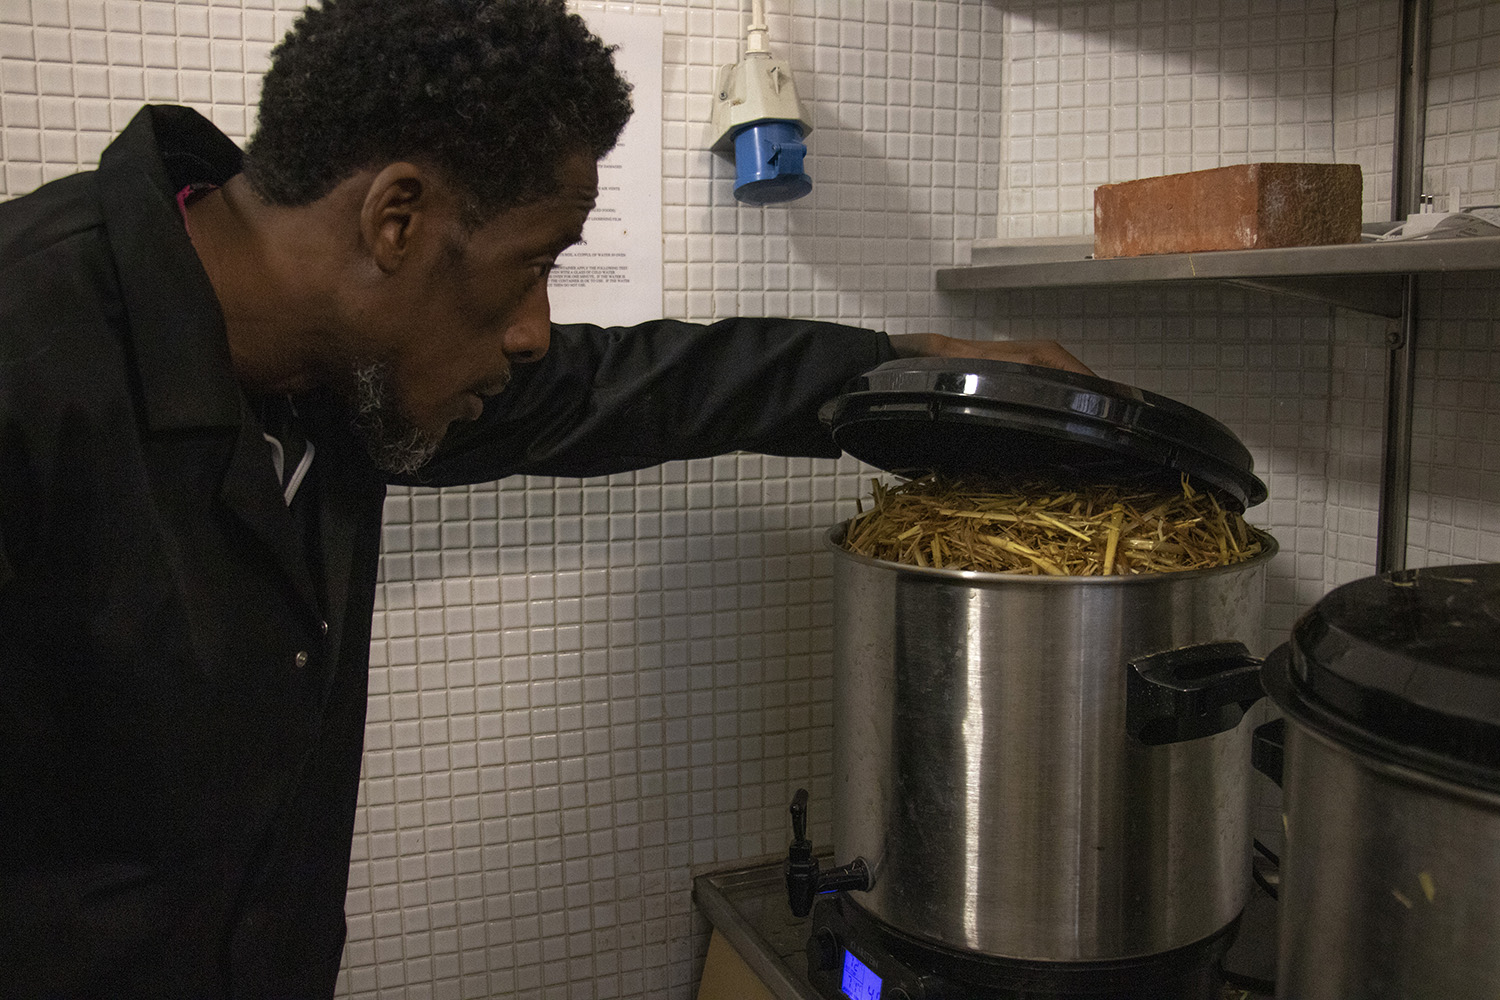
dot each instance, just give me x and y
(1026, 352)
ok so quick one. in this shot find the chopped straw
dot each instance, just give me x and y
(969, 524)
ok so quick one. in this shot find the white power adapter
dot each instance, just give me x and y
(1479, 220)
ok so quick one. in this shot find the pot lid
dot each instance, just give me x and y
(1411, 658)
(1024, 422)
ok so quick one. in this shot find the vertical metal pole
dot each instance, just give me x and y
(1411, 107)
(1395, 468)
(1406, 196)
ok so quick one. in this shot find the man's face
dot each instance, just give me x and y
(470, 306)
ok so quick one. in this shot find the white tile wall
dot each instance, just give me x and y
(584, 692)
(1456, 433)
(1105, 92)
(1366, 71)
(1463, 121)
(1455, 465)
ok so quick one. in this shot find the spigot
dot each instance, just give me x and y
(801, 866)
(804, 878)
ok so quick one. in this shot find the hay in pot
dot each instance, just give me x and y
(971, 524)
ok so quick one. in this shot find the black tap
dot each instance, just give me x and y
(804, 879)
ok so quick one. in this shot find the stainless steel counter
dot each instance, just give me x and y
(748, 906)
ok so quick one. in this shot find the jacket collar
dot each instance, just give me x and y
(176, 326)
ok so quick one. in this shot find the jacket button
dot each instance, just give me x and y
(301, 658)
(324, 627)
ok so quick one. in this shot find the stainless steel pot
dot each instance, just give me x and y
(990, 772)
(1390, 880)
(1390, 877)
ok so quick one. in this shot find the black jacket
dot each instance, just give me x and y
(182, 690)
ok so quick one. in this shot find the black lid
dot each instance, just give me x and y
(1410, 660)
(1024, 422)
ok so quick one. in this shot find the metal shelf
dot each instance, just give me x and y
(1354, 276)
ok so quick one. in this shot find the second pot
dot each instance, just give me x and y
(1391, 871)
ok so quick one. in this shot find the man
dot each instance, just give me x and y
(185, 587)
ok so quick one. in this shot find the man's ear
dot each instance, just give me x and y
(394, 212)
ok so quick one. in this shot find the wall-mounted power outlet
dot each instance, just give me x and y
(758, 121)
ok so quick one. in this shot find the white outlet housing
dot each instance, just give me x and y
(756, 88)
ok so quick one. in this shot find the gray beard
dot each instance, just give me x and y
(396, 445)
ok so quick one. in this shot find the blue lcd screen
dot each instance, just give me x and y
(860, 983)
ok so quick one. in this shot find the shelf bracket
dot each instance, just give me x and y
(1375, 295)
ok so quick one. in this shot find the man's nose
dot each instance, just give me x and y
(530, 330)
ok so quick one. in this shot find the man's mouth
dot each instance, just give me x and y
(471, 406)
(494, 387)
(474, 399)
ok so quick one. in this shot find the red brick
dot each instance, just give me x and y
(1252, 206)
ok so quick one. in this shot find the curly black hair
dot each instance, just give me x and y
(494, 93)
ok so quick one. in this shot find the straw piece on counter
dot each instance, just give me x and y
(969, 524)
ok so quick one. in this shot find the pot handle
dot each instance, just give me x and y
(1268, 749)
(1191, 692)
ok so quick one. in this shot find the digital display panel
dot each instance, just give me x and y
(860, 983)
